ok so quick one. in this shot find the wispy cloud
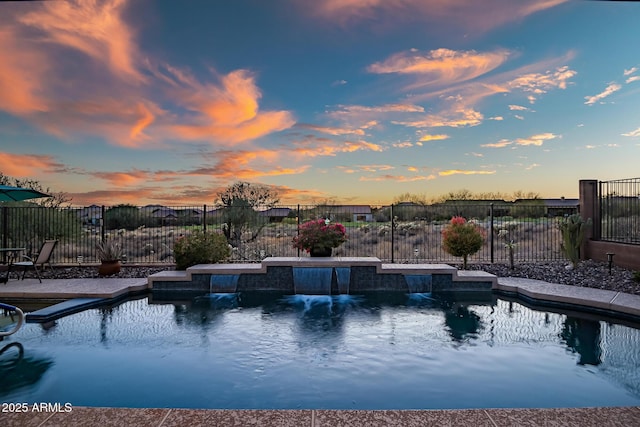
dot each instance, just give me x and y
(518, 108)
(465, 172)
(427, 137)
(330, 130)
(610, 89)
(398, 178)
(313, 147)
(227, 112)
(535, 84)
(459, 14)
(29, 165)
(456, 118)
(536, 140)
(440, 66)
(633, 79)
(633, 133)
(117, 89)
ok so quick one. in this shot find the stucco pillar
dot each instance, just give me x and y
(589, 209)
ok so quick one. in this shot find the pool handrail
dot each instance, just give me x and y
(18, 325)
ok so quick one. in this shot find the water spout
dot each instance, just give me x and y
(223, 283)
(418, 283)
(343, 276)
(312, 280)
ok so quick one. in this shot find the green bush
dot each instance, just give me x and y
(200, 247)
(636, 276)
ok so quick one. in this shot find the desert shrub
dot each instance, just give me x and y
(200, 247)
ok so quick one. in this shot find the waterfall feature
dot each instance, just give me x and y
(312, 280)
(343, 276)
(418, 283)
(223, 283)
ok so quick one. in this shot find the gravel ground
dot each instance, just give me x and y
(591, 274)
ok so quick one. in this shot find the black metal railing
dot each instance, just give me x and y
(620, 210)
(402, 233)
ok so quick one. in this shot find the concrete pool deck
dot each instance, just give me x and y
(50, 289)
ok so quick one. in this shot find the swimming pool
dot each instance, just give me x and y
(347, 352)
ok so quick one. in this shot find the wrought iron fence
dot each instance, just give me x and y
(620, 210)
(402, 233)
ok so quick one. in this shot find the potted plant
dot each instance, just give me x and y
(109, 253)
(319, 237)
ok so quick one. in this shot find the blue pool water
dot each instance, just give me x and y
(284, 352)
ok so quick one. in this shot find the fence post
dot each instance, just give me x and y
(102, 224)
(491, 230)
(5, 232)
(204, 218)
(298, 227)
(393, 226)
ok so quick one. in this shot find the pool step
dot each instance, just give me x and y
(64, 308)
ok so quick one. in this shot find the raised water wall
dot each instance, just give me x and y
(361, 274)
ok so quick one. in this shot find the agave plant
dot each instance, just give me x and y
(108, 251)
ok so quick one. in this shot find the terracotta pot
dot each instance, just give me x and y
(320, 252)
(109, 268)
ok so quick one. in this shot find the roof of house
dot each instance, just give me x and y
(276, 212)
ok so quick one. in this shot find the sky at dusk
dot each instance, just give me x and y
(352, 101)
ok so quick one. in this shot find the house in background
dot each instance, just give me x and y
(561, 206)
(275, 214)
(357, 213)
(90, 215)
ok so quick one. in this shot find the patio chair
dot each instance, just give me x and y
(43, 258)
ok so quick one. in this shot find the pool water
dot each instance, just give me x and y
(349, 352)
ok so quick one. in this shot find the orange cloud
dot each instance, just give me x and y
(331, 130)
(28, 165)
(228, 112)
(22, 76)
(458, 117)
(440, 66)
(124, 179)
(398, 178)
(326, 147)
(500, 144)
(96, 29)
(536, 140)
(245, 164)
(426, 138)
(458, 14)
(464, 172)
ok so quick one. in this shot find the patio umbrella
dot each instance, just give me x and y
(15, 194)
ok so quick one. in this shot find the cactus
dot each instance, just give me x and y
(573, 228)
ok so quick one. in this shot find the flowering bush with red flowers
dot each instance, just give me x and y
(462, 238)
(319, 234)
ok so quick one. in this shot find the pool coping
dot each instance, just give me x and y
(167, 417)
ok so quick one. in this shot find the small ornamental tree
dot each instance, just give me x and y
(462, 238)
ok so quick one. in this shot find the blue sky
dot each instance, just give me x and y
(352, 101)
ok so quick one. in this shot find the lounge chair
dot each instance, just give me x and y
(43, 258)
